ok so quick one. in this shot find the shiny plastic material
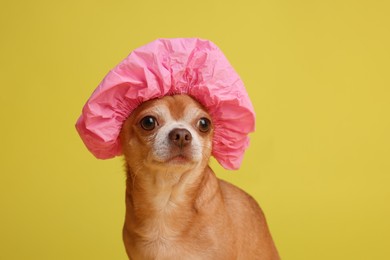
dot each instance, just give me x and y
(167, 67)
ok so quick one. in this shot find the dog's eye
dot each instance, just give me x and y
(204, 124)
(148, 123)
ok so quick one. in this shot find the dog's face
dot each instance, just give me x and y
(171, 133)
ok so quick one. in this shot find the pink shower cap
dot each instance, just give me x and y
(167, 67)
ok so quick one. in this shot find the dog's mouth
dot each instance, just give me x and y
(175, 158)
(179, 159)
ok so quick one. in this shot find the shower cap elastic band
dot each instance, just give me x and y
(168, 67)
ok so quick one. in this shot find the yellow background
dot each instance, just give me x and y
(316, 71)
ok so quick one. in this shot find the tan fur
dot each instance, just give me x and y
(178, 209)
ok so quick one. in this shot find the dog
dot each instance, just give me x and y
(176, 207)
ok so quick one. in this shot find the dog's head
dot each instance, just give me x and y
(171, 133)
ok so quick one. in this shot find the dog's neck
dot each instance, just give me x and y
(156, 187)
(161, 207)
(157, 201)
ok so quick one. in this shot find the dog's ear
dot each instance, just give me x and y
(124, 135)
(130, 144)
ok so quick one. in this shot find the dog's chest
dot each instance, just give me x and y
(169, 234)
(163, 248)
(161, 222)
(161, 240)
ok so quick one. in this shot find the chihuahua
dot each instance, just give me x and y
(176, 208)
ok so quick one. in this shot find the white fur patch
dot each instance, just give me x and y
(162, 144)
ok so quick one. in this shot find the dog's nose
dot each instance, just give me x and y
(180, 137)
